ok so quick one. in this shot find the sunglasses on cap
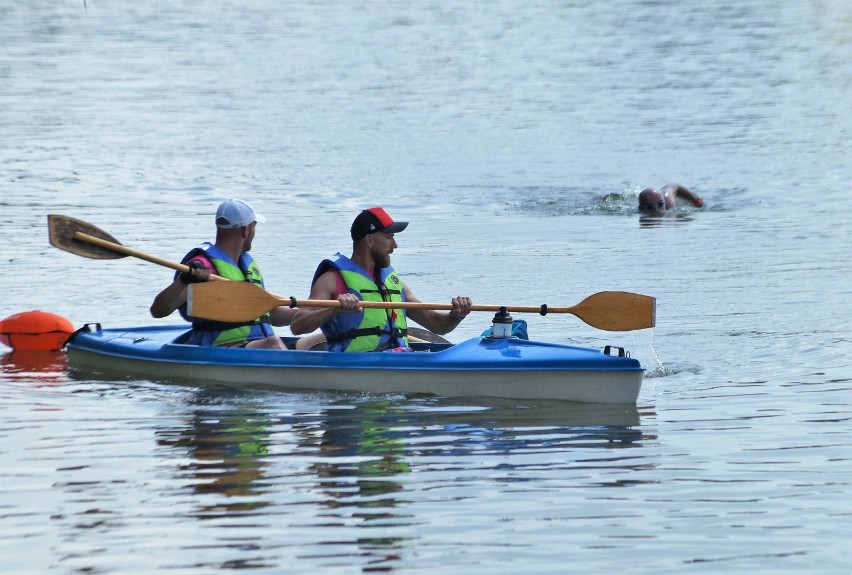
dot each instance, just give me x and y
(652, 207)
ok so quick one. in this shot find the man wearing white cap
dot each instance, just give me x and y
(229, 257)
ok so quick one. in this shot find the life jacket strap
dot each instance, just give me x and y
(395, 334)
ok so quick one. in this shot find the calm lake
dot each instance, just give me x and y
(515, 137)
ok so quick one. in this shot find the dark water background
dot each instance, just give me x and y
(515, 136)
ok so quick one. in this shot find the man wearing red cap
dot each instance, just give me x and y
(368, 276)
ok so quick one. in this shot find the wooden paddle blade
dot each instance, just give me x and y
(230, 301)
(617, 311)
(84, 239)
(62, 230)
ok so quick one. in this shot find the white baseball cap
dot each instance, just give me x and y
(234, 214)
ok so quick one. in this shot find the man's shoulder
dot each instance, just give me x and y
(204, 260)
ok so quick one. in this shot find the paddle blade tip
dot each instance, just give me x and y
(63, 234)
(618, 311)
(653, 318)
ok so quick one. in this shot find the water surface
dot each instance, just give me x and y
(515, 137)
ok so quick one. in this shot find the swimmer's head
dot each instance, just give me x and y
(651, 201)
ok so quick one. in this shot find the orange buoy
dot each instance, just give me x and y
(35, 331)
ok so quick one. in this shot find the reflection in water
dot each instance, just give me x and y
(360, 451)
(361, 454)
(42, 366)
(363, 451)
(668, 219)
(368, 452)
(227, 457)
(500, 428)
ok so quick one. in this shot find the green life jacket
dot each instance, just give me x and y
(371, 329)
(217, 333)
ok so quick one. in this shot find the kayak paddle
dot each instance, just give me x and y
(84, 239)
(242, 301)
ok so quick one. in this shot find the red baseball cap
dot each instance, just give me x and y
(374, 220)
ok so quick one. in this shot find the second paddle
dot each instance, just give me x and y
(241, 301)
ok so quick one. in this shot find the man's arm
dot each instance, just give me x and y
(307, 320)
(174, 295)
(682, 192)
(436, 321)
(282, 315)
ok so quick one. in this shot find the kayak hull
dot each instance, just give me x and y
(480, 367)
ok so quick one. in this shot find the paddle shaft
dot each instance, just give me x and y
(81, 236)
(242, 301)
(293, 302)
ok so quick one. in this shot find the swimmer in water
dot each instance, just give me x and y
(653, 201)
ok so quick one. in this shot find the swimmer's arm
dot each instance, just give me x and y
(682, 192)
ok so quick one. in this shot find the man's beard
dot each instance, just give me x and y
(382, 261)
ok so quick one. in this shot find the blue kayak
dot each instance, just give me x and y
(506, 367)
